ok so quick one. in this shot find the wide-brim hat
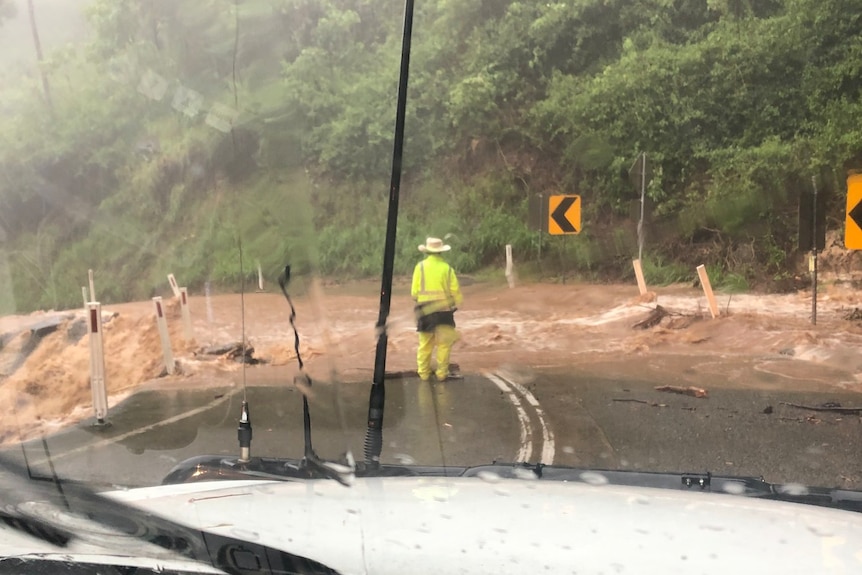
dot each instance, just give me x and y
(434, 246)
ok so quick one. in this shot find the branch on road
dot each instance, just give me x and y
(629, 400)
(834, 408)
(690, 390)
(654, 318)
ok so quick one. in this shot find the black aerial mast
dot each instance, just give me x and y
(376, 401)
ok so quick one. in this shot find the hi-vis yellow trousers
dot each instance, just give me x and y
(443, 336)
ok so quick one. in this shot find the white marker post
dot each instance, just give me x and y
(707, 289)
(187, 316)
(174, 287)
(259, 277)
(97, 363)
(162, 324)
(510, 266)
(92, 286)
(207, 294)
(639, 274)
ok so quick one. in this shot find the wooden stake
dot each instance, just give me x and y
(707, 289)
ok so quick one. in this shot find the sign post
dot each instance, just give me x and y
(812, 233)
(814, 256)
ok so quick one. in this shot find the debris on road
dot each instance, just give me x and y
(653, 319)
(767, 410)
(828, 406)
(630, 400)
(690, 390)
(675, 320)
(233, 351)
(854, 315)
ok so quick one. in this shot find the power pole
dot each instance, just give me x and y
(46, 88)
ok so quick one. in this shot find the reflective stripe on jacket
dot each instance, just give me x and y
(435, 281)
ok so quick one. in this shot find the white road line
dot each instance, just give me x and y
(548, 448)
(526, 448)
(138, 431)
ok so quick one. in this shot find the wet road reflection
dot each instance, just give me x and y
(595, 422)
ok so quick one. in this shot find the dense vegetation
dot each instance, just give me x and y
(182, 127)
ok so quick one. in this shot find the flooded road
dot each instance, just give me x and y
(564, 417)
(554, 373)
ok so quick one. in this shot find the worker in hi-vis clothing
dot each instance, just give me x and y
(437, 295)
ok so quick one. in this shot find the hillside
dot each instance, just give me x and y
(178, 131)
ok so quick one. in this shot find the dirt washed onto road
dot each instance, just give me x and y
(760, 340)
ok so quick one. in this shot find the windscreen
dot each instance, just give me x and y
(604, 235)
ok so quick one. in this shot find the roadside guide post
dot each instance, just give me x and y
(97, 362)
(187, 316)
(174, 287)
(162, 325)
(510, 267)
(92, 285)
(207, 295)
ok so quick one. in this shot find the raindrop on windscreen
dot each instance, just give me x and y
(639, 499)
(820, 530)
(568, 449)
(795, 489)
(488, 476)
(245, 534)
(594, 478)
(734, 487)
(522, 473)
(404, 459)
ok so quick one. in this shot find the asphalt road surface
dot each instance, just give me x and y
(565, 417)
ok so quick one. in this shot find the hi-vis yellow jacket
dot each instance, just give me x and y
(435, 285)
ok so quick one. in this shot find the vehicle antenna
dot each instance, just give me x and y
(244, 431)
(377, 398)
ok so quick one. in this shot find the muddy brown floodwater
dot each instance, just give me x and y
(536, 326)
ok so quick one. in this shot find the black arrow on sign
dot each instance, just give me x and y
(855, 214)
(559, 215)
